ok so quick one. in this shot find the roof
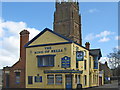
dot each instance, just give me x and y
(96, 52)
(47, 29)
(102, 66)
(107, 70)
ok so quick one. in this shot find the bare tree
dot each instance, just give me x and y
(114, 58)
(114, 61)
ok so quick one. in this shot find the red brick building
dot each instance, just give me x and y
(14, 77)
(106, 71)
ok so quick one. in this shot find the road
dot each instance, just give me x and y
(112, 86)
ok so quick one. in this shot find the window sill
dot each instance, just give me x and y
(46, 66)
(51, 84)
(58, 84)
(95, 68)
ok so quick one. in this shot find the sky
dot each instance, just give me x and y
(99, 26)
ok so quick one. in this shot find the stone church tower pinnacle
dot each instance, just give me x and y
(67, 20)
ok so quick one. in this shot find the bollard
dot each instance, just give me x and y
(79, 86)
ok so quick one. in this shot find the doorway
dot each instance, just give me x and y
(7, 80)
(68, 79)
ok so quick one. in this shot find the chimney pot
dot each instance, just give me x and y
(87, 45)
(24, 32)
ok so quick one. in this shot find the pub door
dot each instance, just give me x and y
(68, 81)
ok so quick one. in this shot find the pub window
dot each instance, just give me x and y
(58, 79)
(85, 53)
(76, 64)
(30, 80)
(78, 79)
(50, 79)
(85, 64)
(90, 62)
(17, 77)
(85, 80)
(75, 78)
(45, 60)
(77, 48)
(95, 62)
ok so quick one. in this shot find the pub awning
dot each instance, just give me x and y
(63, 71)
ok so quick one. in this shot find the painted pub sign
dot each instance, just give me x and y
(79, 56)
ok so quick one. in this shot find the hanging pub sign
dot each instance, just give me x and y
(79, 56)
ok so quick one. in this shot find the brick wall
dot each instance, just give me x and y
(18, 66)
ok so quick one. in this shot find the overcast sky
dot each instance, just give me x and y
(99, 25)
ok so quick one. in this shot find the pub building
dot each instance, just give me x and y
(54, 61)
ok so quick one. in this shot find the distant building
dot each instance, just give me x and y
(107, 71)
(114, 72)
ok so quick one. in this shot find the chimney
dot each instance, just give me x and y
(106, 63)
(87, 45)
(24, 38)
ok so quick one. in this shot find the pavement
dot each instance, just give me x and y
(112, 86)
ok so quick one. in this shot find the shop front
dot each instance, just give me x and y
(68, 77)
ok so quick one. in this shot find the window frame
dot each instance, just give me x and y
(85, 53)
(90, 60)
(77, 65)
(85, 64)
(17, 77)
(85, 80)
(45, 56)
(48, 82)
(95, 59)
(31, 79)
(60, 79)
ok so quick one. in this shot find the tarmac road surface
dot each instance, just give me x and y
(112, 86)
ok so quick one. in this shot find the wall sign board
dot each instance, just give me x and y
(65, 62)
(38, 78)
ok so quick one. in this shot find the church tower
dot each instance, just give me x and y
(67, 20)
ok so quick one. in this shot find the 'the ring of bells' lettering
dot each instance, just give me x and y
(49, 51)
